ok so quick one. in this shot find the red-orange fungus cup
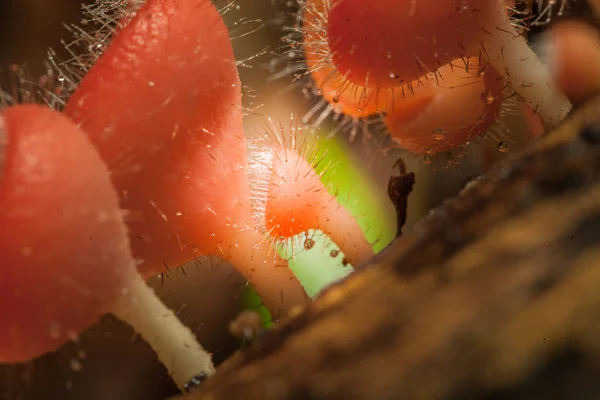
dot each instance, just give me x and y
(297, 202)
(461, 106)
(392, 42)
(163, 107)
(65, 255)
(65, 252)
(356, 99)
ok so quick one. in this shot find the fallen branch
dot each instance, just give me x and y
(495, 295)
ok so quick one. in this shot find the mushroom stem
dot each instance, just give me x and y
(522, 69)
(175, 344)
(254, 257)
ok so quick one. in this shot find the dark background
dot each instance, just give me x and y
(29, 27)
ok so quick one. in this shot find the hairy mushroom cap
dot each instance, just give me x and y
(461, 107)
(163, 107)
(392, 42)
(65, 252)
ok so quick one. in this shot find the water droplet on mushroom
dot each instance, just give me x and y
(487, 97)
(439, 134)
(309, 244)
(73, 336)
(75, 365)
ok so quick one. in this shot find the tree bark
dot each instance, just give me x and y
(496, 295)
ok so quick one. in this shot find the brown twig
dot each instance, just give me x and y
(399, 188)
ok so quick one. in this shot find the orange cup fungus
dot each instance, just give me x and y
(367, 60)
(65, 252)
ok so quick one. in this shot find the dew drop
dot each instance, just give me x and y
(439, 134)
(334, 253)
(487, 97)
(503, 147)
(54, 330)
(73, 336)
(75, 365)
(309, 244)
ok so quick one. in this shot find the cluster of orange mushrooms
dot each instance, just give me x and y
(146, 167)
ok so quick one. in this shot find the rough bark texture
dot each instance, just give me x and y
(496, 295)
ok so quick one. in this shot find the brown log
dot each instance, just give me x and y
(496, 295)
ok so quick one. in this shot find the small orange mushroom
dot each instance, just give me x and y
(575, 58)
(65, 252)
(290, 198)
(461, 107)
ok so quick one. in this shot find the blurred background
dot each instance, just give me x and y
(109, 361)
